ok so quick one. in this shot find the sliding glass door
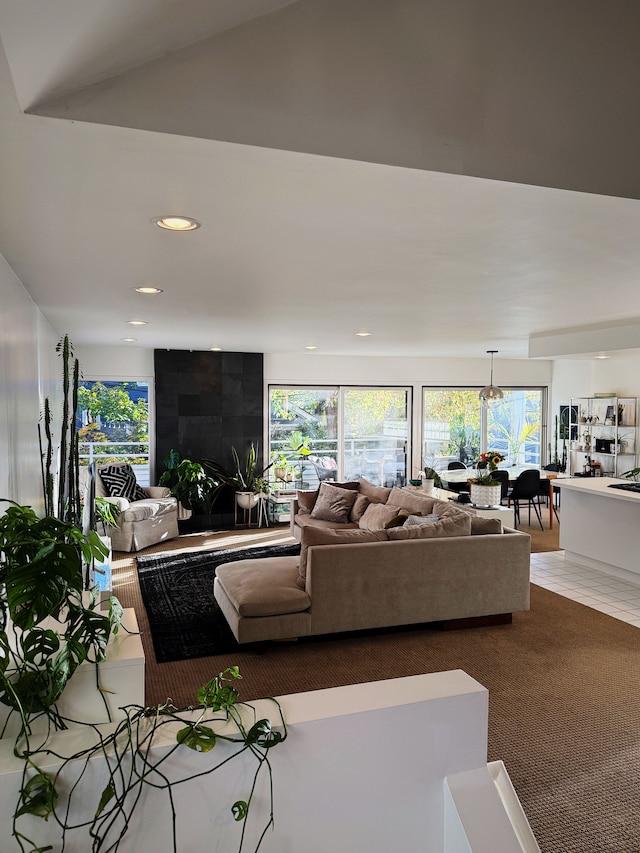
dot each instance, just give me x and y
(335, 433)
(451, 426)
(376, 434)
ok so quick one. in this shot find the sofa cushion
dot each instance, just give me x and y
(458, 525)
(376, 494)
(483, 526)
(359, 505)
(120, 482)
(333, 504)
(306, 521)
(263, 587)
(148, 508)
(312, 536)
(382, 516)
(415, 503)
(416, 520)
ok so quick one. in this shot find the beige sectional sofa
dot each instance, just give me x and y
(351, 577)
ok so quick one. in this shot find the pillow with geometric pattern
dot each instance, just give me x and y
(120, 482)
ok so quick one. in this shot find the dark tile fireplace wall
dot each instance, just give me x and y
(207, 403)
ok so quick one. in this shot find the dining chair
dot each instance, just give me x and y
(456, 466)
(503, 477)
(526, 488)
(545, 486)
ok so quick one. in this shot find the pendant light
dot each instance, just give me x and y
(491, 393)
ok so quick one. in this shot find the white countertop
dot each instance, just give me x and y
(598, 486)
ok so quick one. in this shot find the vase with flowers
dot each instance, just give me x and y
(485, 489)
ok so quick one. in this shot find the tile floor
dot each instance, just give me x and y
(618, 598)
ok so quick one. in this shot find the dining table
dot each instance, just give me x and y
(458, 476)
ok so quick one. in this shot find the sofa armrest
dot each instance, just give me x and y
(295, 506)
(157, 491)
(121, 503)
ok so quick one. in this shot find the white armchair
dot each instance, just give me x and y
(143, 522)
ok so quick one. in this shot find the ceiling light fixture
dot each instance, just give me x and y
(137, 322)
(491, 393)
(129, 340)
(148, 291)
(311, 346)
(215, 349)
(176, 223)
(363, 334)
(602, 356)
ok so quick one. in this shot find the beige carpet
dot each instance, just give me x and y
(563, 681)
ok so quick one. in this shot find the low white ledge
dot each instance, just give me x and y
(363, 768)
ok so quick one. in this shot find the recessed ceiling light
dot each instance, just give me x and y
(129, 340)
(176, 223)
(215, 349)
(363, 334)
(311, 346)
(602, 356)
(137, 322)
(148, 290)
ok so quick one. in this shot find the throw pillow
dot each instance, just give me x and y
(333, 504)
(421, 504)
(379, 516)
(484, 526)
(376, 494)
(417, 520)
(359, 505)
(120, 482)
(444, 527)
(322, 536)
(306, 501)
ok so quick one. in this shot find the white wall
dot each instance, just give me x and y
(28, 371)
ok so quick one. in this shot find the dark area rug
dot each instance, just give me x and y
(177, 591)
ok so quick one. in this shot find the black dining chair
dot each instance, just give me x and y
(526, 488)
(545, 487)
(503, 477)
(456, 466)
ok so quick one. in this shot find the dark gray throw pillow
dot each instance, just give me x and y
(120, 482)
(333, 504)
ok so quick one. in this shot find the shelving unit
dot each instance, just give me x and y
(603, 429)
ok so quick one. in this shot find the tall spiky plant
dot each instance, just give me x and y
(69, 505)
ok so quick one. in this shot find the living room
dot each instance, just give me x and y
(457, 214)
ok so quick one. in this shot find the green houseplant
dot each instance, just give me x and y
(49, 626)
(187, 481)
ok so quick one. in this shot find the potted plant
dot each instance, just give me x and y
(42, 564)
(246, 477)
(299, 450)
(485, 489)
(282, 470)
(431, 479)
(187, 481)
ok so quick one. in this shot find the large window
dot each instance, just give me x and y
(514, 426)
(113, 425)
(339, 433)
(457, 428)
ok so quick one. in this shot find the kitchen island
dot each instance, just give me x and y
(600, 526)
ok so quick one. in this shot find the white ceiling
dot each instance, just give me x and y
(345, 161)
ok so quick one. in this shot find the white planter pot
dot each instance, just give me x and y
(246, 500)
(486, 495)
(427, 485)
